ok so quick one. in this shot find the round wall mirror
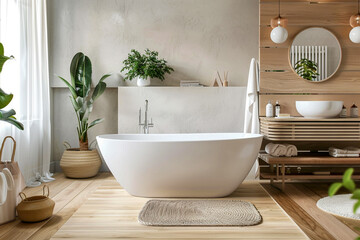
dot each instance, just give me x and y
(315, 54)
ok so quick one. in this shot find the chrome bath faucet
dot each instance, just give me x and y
(144, 127)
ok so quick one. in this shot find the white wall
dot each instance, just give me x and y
(183, 110)
(197, 37)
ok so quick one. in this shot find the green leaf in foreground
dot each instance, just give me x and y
(348, 173)
(356, 194)
(334, 188)
(356, 206)
(348, 183)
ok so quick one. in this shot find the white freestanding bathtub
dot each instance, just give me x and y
(180, 165)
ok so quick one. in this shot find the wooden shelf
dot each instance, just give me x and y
(304, 129)
(302, 119)
(310, 159)
(308, 176)
(278, 166)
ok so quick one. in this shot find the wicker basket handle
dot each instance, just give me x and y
(2, 148)
(46, 187)
(90, 145)
(22, 195)
(66, 145)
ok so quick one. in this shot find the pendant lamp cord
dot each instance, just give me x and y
(279, 7)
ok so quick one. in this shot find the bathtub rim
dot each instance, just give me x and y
(244, 137)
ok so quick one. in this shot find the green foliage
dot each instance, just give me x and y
(349, 184)
(5, 99)
(306, 69)
(334, 188)
(145, 65)
(81, 99)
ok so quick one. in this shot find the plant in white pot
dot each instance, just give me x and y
(144, 67)
(82, 162)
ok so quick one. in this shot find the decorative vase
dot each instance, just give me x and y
(141, 82)
(80, 164)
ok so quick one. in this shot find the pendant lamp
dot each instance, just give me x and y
(279, 33)
(355, 23)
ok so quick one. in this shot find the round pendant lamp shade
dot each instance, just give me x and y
(279, 35)
(354, 34)
(355, 20)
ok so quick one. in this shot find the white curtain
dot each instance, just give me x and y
(23, 32)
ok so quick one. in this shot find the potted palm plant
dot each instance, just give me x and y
(144, 67)
(82, 162)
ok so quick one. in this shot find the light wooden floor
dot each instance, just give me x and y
(110, 212)
(100, 209)
(299, 201)
(68, 194)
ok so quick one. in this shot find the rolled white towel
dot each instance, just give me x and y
(275, 150)
(291, 150)
(349, 155)
(345, 151)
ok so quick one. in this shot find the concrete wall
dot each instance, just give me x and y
(197, 38)
(183, 110)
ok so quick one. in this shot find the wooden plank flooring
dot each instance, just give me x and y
(110, 212)
(99, 208)
(68, 194)
(299, 201)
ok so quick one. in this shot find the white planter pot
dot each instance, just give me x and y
(141, 82)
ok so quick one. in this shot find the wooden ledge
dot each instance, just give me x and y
(310, 159)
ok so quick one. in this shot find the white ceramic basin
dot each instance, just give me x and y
(319, 109)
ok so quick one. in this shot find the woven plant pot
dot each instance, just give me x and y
(80, 164)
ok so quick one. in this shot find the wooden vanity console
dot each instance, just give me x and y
(298, 129)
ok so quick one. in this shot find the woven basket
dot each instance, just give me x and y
(35, 208)
(80, 164)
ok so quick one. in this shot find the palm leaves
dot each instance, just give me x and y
(81, 99)
(306, 69)
(5, 99)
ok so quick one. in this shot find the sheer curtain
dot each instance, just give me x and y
(23, 32)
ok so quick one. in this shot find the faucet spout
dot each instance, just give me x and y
(144, 126)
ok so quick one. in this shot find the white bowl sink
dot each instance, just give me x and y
(319, 109)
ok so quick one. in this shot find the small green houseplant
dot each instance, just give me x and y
(82, 100)
(145, 66)
(306, 69)
(350, 186)
(5, 99)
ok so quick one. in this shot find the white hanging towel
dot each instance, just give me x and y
(251, 123)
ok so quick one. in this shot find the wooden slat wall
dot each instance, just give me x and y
(285, 85)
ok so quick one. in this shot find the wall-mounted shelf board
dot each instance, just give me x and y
(304, 129)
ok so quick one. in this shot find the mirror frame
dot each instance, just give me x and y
(336, 70)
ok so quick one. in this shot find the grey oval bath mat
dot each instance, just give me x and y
(199, 213)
